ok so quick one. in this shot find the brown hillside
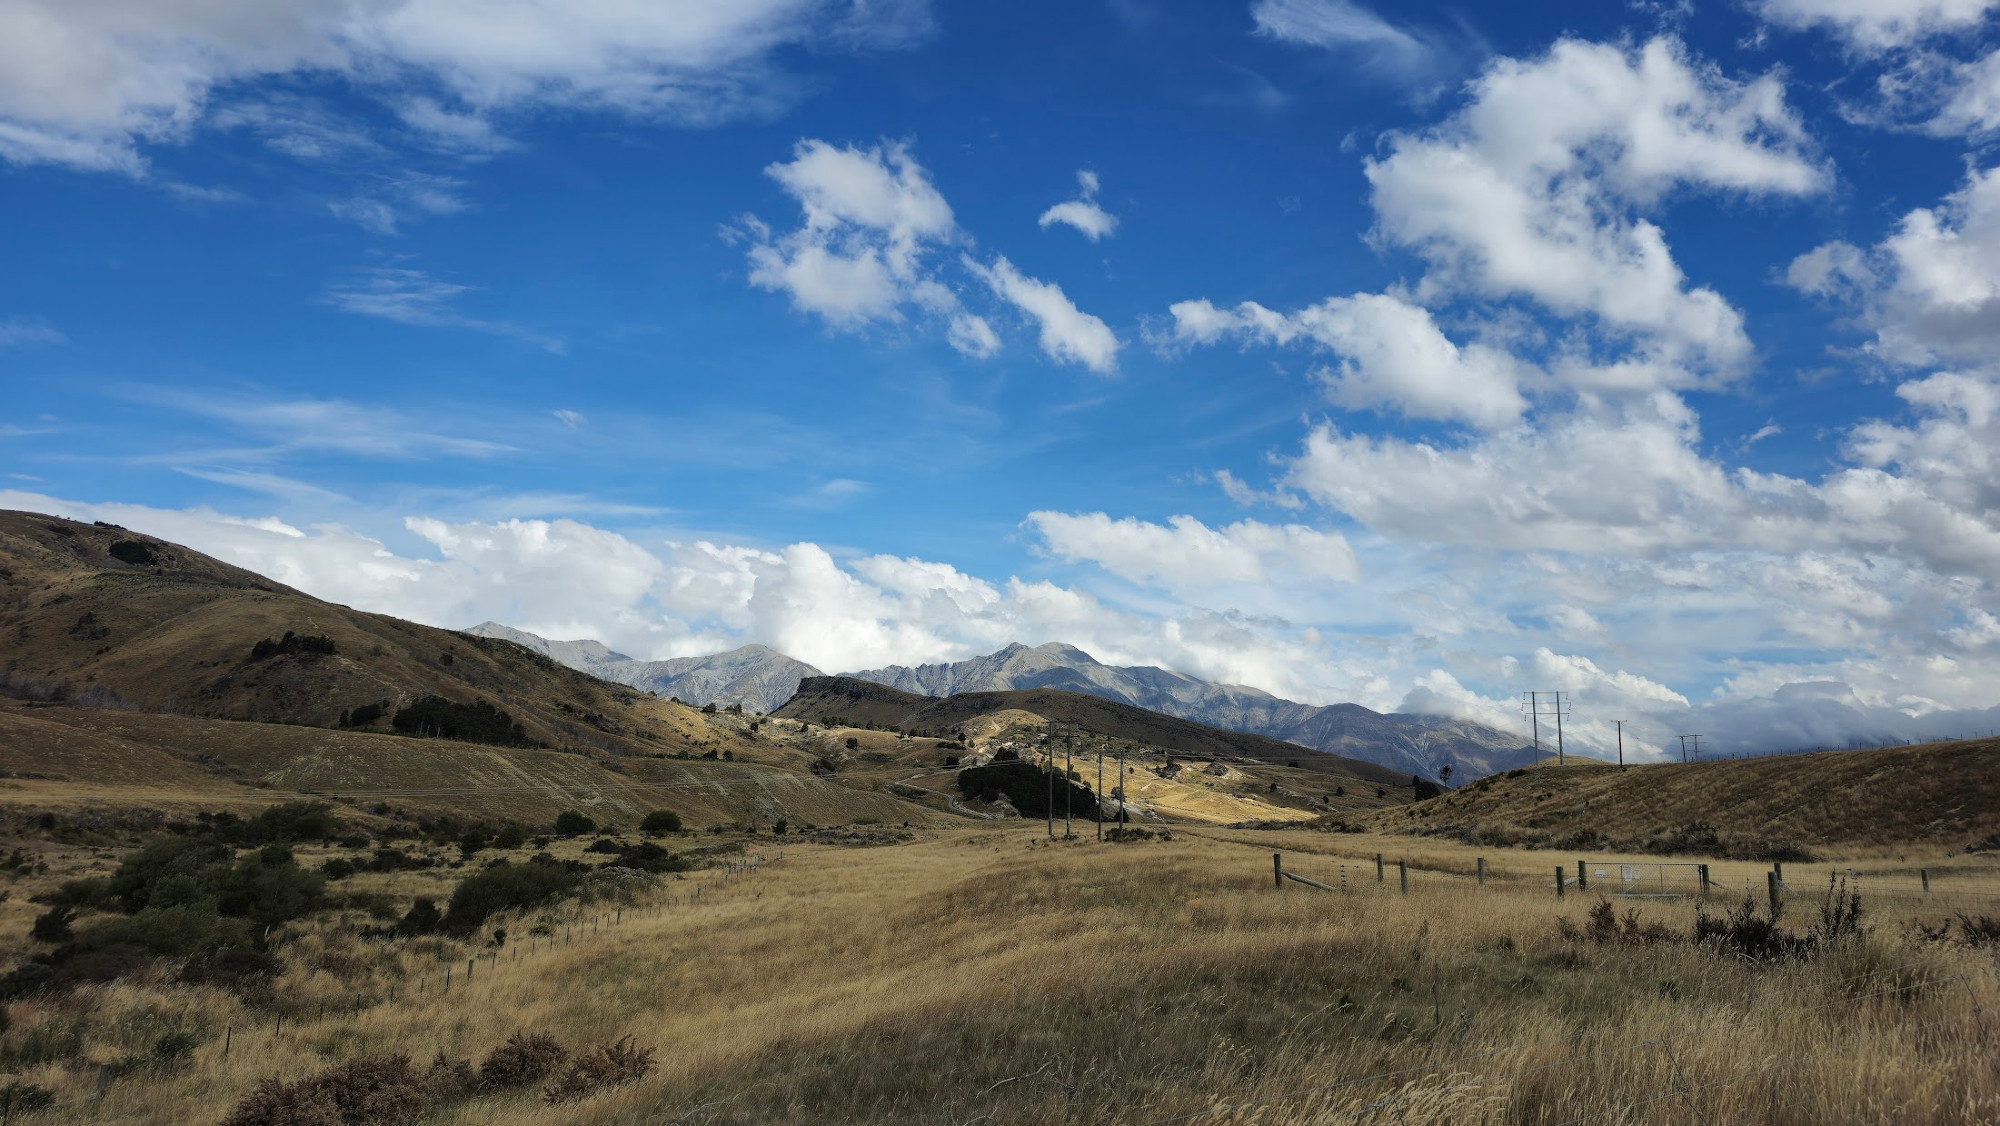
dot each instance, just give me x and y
(175, 634)
(1944, 794)
(865, 701)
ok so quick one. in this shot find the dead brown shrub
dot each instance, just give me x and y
(610, 1065)
(371, 1091)
(524, 1059)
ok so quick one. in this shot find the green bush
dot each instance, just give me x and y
(570, 823)
(524, 1059)
(510, 837)
(506, 887)
(293, 821)
(167, 932)
(337, 868)
(268, 887)
(133, 552)
(661, 821)
(170, 872)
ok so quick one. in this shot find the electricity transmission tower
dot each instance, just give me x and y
(1537, 706)
(1690, 743)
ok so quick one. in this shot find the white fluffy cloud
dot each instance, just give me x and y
(1875, 25)
(1392, 356)
(861, 255)
(1185, 554)
(1931, 289)
(1082, 213)
(84, 83)
(1068, 334)
(1533, 189)
(871, 214)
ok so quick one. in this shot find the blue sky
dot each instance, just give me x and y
(1419, 356)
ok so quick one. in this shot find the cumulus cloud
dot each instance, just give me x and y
(1082, 213)
(1930, 291)
(86, 84)
(1877, 25)
(1068, 334)
(870, 216)
(1392, 355)
(1185, 554)
(1534, 189)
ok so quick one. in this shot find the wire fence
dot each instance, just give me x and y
(1908, 890)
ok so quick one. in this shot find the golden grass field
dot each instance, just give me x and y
(990, 976)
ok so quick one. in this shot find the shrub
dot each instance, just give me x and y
(337, 868)
(423, 918)
(293, 644)
(447, 1079)
(19, 1095)
(610, 1065)
(1605, 928)
(1979, 930)
(268, 887)
(524, 1059)
(292, 821)
(570, 823)
(505, 887)
(53, 926)
(472, 843)
(232, 967)
(134, 552)
(510, 837)
(661, 821)
(477, 722)
(853, 743)
(378, 1090)
(366, 714)
(169, 872)
(647, 857)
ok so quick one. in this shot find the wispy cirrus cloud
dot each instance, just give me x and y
(17, 332)
(281, 426)
(414, 297)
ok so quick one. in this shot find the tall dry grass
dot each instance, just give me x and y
(986, 977)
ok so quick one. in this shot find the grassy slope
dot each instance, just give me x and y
(982, 977)
(1944, 794)
(874, 703)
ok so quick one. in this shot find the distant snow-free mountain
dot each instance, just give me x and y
(757, 677)
(762, 679)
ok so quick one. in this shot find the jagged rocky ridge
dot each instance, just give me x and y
(762, 679)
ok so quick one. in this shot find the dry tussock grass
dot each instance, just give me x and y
(981, 977)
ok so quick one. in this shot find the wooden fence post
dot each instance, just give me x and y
(1771, 884)
(1582, 880)
(1925, 873)
(1278, 870)
(1378, 867)
(1778, 870)
(228, 1034)
(1403, 875)
(1704, 880)
(1559, 881)
(1482, 871)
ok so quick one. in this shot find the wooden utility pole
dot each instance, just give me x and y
(1621, 742)
(1559, 729)
(1069, 794)
(1049, 764)
(1100, 792)
(1535, 720)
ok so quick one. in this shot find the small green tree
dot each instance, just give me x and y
(570, 823)
(660, 821)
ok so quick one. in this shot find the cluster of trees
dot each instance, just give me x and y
(477, 722)
(309, 644)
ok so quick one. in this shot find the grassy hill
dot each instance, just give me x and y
(1940, 794)
(863, 701)
(131, 662)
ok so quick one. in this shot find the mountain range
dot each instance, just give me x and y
(763, 679)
